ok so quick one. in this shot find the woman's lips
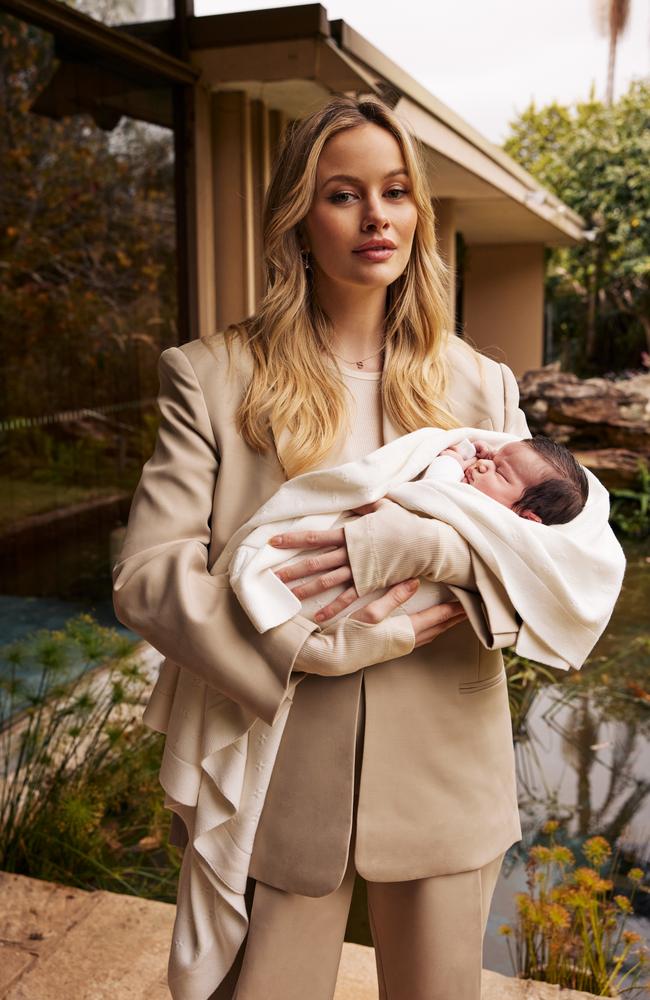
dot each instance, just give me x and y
(379, 253)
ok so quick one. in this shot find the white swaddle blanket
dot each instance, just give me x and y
(563, 581)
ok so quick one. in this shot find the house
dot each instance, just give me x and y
(228, 84)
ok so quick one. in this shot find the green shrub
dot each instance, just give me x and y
(630, 509)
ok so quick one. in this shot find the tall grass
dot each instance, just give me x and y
(80, 801)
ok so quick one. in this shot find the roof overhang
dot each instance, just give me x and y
(496, 200)
(293, 58)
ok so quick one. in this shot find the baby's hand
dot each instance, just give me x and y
(455, 452)
(482, 449)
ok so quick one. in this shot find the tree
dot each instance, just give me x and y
(87, 245)
(611, 18)
(594, 157)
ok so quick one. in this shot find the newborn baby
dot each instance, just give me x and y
(537, 478)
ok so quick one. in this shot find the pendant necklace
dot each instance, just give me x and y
(359, 364)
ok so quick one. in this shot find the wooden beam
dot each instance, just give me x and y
(82, 33)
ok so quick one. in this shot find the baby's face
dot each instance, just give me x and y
(506, 473)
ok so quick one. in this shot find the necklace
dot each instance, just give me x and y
(359, 364)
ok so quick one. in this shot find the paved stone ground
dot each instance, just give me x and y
(60, 943)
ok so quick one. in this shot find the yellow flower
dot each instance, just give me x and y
(587, 878)
(635, 874)
(624, 903)
(550, 826)
(539, 854)
(596, 850)
(558, 915)
(562, 855)
(631, 937)
(528, 909)
(577, 899)
(505, 929)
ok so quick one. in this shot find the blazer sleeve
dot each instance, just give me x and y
(429, 548)
(162, 587)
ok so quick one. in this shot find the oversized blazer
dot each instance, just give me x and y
(437, 788)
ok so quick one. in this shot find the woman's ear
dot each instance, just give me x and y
(301, 236)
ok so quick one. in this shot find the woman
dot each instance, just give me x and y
(348, 350)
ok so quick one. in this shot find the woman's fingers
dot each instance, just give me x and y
(325, 582)
(436, 615)
(378, 609)
(314, 564)
(308, 539)
(431, 622)
(340, 603)
(422, 638)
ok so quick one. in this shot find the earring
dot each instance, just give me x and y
(305, 259)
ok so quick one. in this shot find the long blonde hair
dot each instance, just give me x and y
(292, 387)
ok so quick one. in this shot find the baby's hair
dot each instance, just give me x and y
(555, 500)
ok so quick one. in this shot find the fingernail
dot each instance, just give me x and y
(318, 617)
(276, 540)
(412, 584)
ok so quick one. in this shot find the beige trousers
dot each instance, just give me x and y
(427, 933)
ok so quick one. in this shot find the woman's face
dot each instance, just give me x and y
(362, 195)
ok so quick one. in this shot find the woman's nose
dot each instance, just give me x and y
(376, 217)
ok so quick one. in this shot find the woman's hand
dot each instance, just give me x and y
(332, 566)
(427, 624)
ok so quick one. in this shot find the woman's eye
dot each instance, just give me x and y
(397, 191)
(340, 195)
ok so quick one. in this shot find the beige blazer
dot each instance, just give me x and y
(437, 792)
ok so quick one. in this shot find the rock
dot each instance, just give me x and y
(605, 421)
(615, 467)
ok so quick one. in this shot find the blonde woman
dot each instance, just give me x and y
(396, 760)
